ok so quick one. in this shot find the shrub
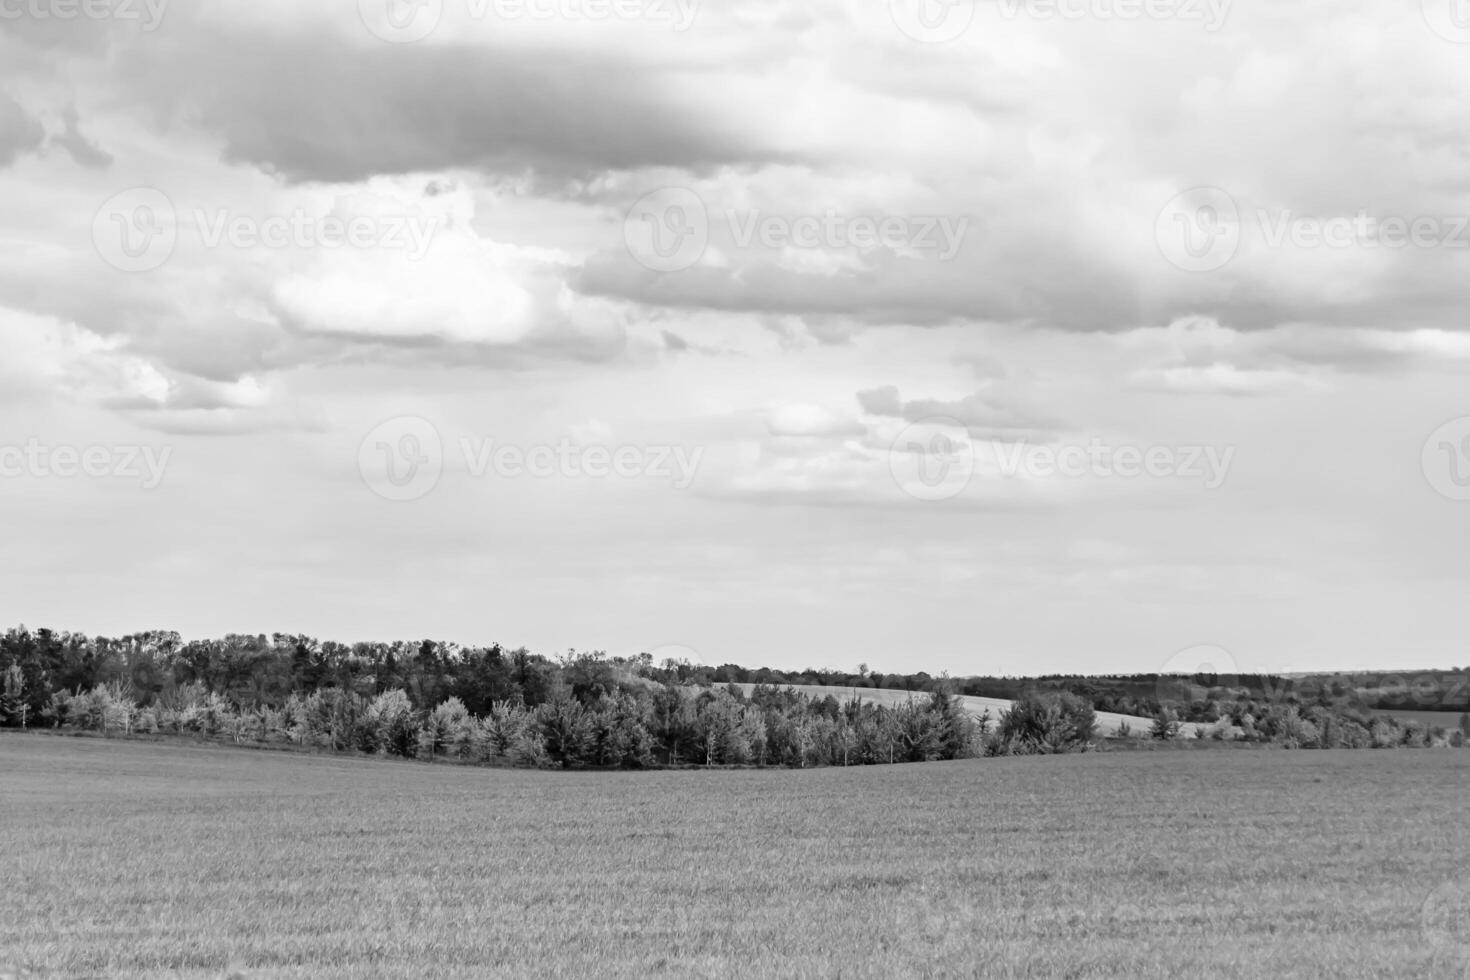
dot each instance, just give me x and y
(1044, 723)
(1166, 726)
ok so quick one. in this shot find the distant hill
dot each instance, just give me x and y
(1107, 722)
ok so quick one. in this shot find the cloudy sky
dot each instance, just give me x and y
(995, 337)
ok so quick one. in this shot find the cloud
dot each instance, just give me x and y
(976, 412)
(805, 420)
(1199, 355)
(502, 108)
(85, 152)
(19, 131)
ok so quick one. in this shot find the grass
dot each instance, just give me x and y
(133, 859)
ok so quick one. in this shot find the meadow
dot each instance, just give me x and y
(137, 859)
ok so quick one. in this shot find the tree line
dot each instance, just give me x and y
(495, 705)
(488, 704)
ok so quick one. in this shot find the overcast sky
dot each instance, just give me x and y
(992, 338)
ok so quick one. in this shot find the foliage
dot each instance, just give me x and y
(492, 705)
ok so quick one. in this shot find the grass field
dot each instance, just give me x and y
(1108, 723)
(132, 859)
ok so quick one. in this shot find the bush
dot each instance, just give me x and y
(1044, 724)
(1166, 726)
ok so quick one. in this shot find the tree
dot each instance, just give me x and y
(566, 729)
(1166, 726)
(954, 730)
(12, 697)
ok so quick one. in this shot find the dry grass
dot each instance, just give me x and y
(128, 859)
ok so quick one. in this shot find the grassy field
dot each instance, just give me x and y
(1108, 723)
(132, 859)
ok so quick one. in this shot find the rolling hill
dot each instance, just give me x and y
(1107, 722)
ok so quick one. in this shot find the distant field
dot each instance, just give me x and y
(1433, 719)
(1107, 722)
(130, 859)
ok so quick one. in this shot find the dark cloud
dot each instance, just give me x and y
(85, 152)
(884, 401)
(319, 109)
(20, 132)
(977, 413)
(983, 282)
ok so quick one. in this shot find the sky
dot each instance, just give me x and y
(997, 337)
